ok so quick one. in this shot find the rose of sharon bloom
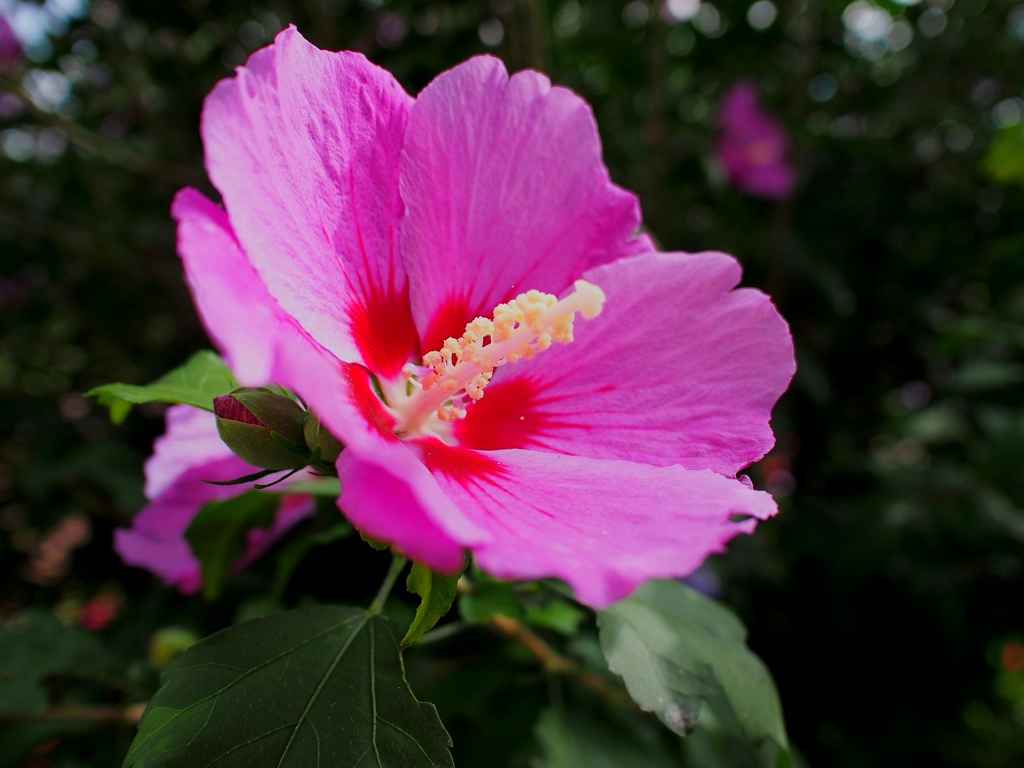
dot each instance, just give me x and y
(10, 45)
(752, 146)
(189, 453)
(413, 269)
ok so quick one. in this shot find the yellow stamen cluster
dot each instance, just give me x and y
(529, 323)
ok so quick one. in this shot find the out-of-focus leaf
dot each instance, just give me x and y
(437, 593)
(979, 375)
(580, 740)
(1004, 161)
(196, 383)
(557, 614)
(35, 645)
(488, 598)
(322, 685)
(676, 648)
(217, 534)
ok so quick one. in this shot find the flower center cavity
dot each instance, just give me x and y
(429, 397)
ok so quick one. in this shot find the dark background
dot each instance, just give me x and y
(886, 597)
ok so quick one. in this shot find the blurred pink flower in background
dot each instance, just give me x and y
(189, 453)
(10, 46)
(752, 145)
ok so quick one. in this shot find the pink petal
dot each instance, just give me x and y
(677, 369)
(505, 190)
(186, 455)
(190, 442)
(392, 497)
(239, 314)
(602, 526)
(304, 146)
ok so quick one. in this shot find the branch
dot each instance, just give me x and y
(99, 714)
(555, 663)
(94, 144)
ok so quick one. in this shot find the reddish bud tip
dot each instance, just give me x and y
(227, 407)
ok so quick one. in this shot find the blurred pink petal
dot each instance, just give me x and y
(752, 146)
(186, 455)
(10, 46)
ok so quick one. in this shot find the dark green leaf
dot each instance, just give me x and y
(34, 646)
(196, 383)
(676, 648)
(437, 593)
(322, 685)
(217, 534)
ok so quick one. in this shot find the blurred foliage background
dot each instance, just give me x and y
(886, 597)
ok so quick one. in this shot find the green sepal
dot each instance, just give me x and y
(319, 439)
(259, 446)
(437, 593)
(375, 543)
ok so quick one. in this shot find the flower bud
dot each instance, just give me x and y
(262, 428)
(317, 436)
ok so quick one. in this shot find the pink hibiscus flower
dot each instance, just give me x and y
(187, 455)
(363, 228)
(752, 146)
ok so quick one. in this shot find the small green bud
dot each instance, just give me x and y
(262, 428)
(317, 436)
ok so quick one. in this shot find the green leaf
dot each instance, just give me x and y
(676, 648)
(34, 646)
(437, 593)
(585, 740)
(197, 382)
(217, 534)
(322, 685)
